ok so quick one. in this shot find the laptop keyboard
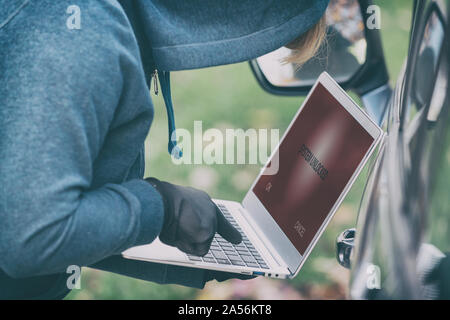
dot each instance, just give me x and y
(224, 252)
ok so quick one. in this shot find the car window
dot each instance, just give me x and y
(424, 71)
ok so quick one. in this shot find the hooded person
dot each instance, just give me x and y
(75, 111)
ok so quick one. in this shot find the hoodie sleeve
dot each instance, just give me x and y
(59, 95)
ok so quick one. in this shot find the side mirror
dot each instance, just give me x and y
(352, 55)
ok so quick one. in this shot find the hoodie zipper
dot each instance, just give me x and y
(155, 81)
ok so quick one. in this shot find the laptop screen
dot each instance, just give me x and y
(317, 158)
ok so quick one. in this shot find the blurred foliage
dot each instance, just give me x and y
(229, 97)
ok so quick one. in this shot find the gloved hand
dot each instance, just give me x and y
(191, 219)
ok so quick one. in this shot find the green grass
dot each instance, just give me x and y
(229, 97)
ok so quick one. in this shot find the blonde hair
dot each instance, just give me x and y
(306, 46)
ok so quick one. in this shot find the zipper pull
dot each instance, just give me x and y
(155, 82)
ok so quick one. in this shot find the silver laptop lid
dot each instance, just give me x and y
(311, 170)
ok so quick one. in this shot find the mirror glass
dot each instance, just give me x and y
(342, 53)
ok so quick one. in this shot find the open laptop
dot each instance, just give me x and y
(286, 210)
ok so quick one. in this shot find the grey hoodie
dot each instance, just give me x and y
(75, 110)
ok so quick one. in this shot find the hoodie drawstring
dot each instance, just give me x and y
(164, 81)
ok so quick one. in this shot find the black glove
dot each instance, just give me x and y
(191, 219)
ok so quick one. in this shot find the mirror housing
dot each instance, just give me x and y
(372, 74)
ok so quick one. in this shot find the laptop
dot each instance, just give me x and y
(295, 195)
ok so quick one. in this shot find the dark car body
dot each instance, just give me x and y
(402, 229)
(398, 249)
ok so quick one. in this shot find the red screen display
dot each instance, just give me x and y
(317, 158)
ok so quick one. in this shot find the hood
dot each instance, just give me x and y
(178, 35)
(194, 34)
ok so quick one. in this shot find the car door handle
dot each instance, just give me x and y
(344, 246)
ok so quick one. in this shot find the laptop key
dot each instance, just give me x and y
(222, 261)
(219, 255)
(194, 258)
(257, 256)
(248, 259)
(252, 265)
(233, 257)
(237, 262)
(209, 260)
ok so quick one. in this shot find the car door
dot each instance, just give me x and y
(401, 233)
